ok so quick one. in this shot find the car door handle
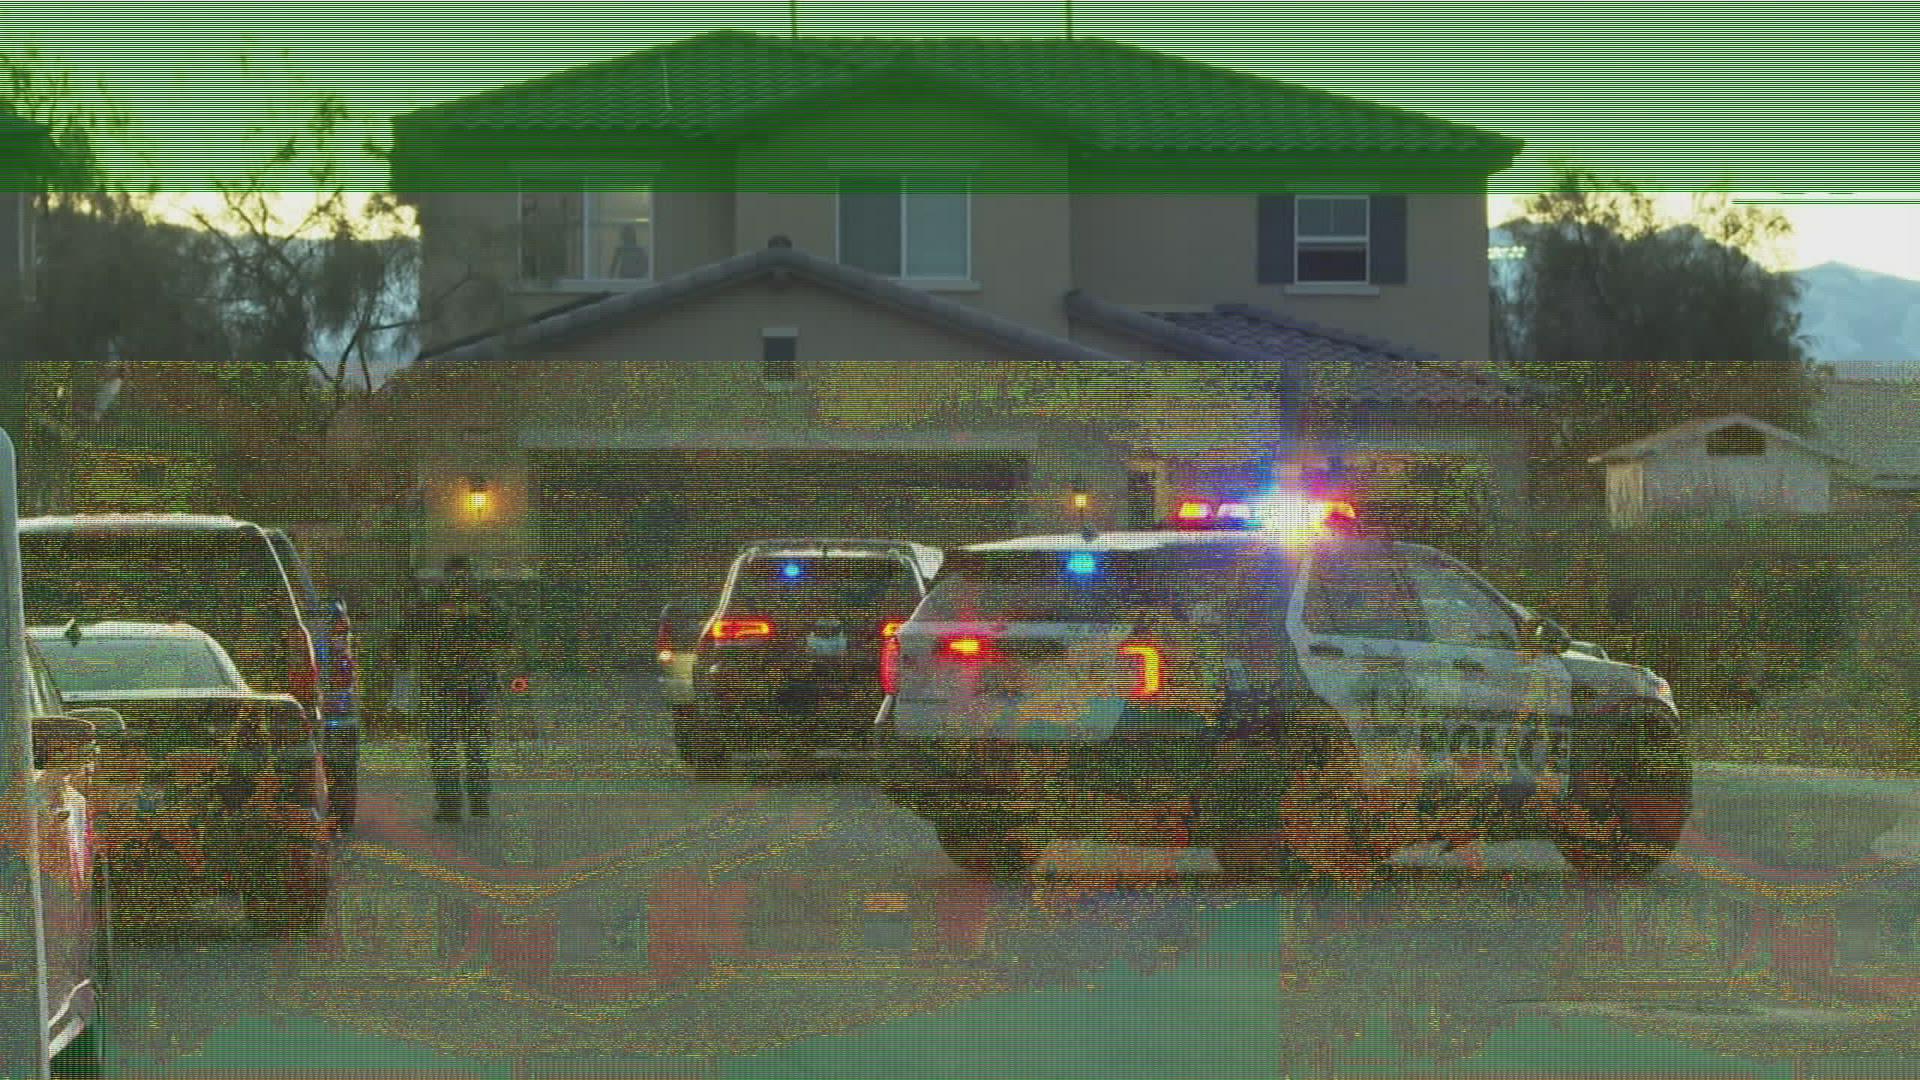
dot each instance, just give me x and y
(1331, 652)
(1471, 667)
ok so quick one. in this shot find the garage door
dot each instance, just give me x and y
(626, 533)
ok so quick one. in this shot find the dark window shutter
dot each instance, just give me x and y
(1273, 229)
(12, 215)
(1387, 240)
(870, 225)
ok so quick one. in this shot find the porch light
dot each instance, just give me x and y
(478, 497)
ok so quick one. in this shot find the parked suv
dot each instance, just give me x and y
(1292, 700)
(339, 672)
(790, 656)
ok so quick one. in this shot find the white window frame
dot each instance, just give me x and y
(585, 181)
(965, 281)
(1364, 239)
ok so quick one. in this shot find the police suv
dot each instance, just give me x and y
(1289, 693)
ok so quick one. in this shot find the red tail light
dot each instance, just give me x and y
(890, 663)
(1146, 668)
(740, 629)
(968, 648)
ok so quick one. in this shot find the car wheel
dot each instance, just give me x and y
(344, 796)
(1290, 810)
(1631, 808)
(983, 849)
(296, 903)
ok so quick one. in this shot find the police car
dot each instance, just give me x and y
(1284, 690)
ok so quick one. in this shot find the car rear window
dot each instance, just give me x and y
(1107, 587)
(106, 664)
(823, 586)
(226, 582)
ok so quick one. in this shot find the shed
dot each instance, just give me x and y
(1730, 466)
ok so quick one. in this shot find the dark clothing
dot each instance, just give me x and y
(454, 639)
(457, 726)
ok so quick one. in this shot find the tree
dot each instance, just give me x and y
(1647, 322)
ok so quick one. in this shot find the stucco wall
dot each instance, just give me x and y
(1186, 250)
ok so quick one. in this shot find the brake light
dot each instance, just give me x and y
(740, 629)
(891, 628)
(1146, 671)
(965, 648)
(890, 660)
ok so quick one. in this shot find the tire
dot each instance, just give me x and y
(1635, 805)
(297, 902)
(1287, 816)
(343, 794)
(983, 849)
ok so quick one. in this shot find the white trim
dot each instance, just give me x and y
(1364, 238)
(638, 178)
(963, 283)
(1330, 288)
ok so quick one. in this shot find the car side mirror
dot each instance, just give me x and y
(1547, 636)
(61, 741)
(106, 722)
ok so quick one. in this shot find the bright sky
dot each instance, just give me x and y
(1680, 95)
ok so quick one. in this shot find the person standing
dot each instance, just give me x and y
(455, 641)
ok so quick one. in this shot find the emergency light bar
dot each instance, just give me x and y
(1287, 514)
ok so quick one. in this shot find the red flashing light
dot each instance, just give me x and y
(1194, 511)
(1146, 672)
(891, 628)
(739, 629)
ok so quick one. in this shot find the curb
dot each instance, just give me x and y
(1849, 816)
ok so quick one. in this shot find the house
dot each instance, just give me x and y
(1725, 467)
(1875, 422)
(741, 285)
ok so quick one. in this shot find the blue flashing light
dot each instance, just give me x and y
(1083, 564)
(790, 571)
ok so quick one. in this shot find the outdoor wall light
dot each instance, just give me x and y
(478, 497)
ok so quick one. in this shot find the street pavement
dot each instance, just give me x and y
(615, 920)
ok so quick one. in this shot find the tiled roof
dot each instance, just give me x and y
(576, 318)
(1336, 367)
(1105, 95)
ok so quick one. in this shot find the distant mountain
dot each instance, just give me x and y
(1864, 323)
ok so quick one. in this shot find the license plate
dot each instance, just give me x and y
(836, 645)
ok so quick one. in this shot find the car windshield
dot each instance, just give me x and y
(823, 587)
(1089, 587)
(223, 581)
(96, 663)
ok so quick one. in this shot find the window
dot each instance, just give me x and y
(1363, 595)
(918, 227)
(1736, 441)
(586, 233)
(779, 355)
(1330, 238)
(1459, 610)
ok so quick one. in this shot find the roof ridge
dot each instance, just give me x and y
(611, 63)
